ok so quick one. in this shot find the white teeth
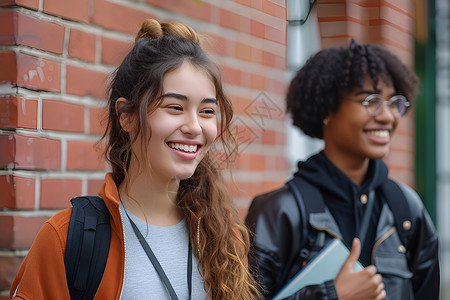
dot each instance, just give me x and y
(183, 147)
(379, 133)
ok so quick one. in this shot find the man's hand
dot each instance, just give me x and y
(365, 284)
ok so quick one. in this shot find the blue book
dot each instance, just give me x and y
(324, 266)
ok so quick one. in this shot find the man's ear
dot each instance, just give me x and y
(125, 118)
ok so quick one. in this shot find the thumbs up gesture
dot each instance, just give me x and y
(365, 284)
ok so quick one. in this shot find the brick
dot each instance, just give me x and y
(251, 189)
(61, 116)
(257, 4)
(83, 82)
(240, 104)
(110, 15)
(274, 34)
(7, 151)
(245, 134)
(256, 56)
(229, 20)
(7, 2)
(37, 153)
(94, 186)
(114, 51)
(273, 60)
(38, 73)
(276, 163)
(331, 9)
(56, 193)
(250, 162)
(9, 266)
(8, 71)
(216, 44)
(402, 176)
(247, 3)
(83, 155)
(18, 112)
(243, 51)
(7, 27)
(257, 29)
(82, 45)
(72, 10)
(275, 86)
(269, 137)
(273, 9)
(257, 82)
(22, 152)
(33, 4)
(195, 9)
(268, 59)
(97, 121)
(40, 34)
(19, 232)
(17, 192)
(200, 10)
(232, 76)
(244, 24)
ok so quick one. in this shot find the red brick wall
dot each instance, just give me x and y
(55, 59)
(391, 24)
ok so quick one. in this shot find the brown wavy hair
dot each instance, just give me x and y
(218, 236)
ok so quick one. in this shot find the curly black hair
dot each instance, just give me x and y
(318, 86)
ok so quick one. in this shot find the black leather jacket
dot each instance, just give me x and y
(274, 219)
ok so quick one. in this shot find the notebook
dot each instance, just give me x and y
(324, 266)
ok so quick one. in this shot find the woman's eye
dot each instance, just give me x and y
(175, 107)
(209, 111)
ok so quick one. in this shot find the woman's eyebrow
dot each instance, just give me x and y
(210, 100)
(174, 95)
(362, 92)
(185, 98)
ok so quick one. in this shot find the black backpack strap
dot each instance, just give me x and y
(398, 203)
(301, 208)
(87, 246)
(312, 203)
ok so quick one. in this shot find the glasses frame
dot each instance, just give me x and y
(390, 104)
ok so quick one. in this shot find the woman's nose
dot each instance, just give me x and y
(386, 114)
(191, 125)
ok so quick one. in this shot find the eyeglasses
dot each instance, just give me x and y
(398, 104)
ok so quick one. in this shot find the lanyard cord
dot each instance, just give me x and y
(157, 265)
(366, 217)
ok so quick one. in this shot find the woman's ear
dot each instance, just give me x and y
(125, 119)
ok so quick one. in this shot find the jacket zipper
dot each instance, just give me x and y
(379, 241)
(327, 231)
(124, 253)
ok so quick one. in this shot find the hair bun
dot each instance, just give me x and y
(151, 28)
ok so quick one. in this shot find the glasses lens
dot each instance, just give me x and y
(399, 104)
(373, 104)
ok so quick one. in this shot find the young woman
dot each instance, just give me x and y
(353, 99)
(164, 106)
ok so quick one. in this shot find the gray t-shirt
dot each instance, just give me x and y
(170, 246)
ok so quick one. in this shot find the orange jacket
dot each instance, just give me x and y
(42, 274)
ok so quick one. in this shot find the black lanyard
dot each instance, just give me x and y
(366, 217)
(157, 265)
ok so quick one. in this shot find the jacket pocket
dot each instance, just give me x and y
(392, 264)
(390, 258)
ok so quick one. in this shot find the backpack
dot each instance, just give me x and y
(396, 198)
(87, 246)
